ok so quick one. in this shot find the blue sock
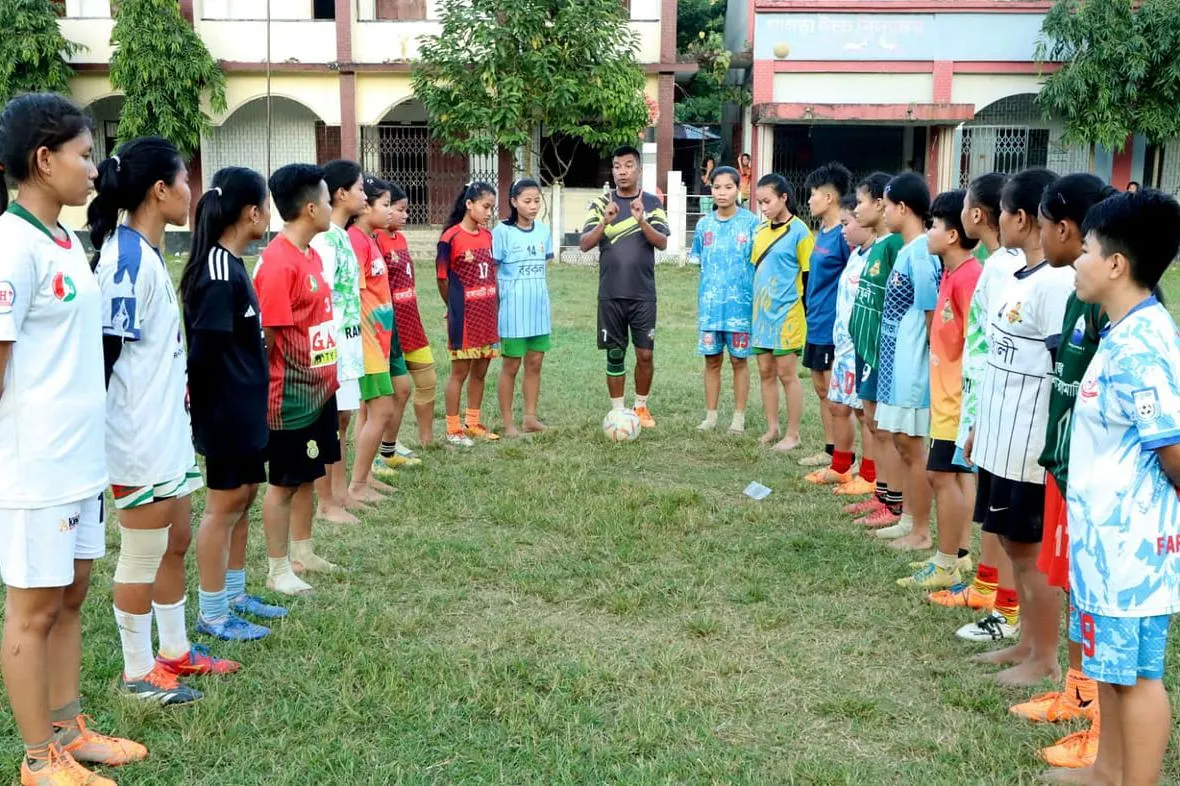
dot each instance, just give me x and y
(214, 605)
(235, 583)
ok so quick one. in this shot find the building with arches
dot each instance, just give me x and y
(337, 85)
(945, 88)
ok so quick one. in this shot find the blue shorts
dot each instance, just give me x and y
(714, 342)
(866, 385)
(1120, 650)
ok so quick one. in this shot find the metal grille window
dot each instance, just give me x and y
(1010, 135)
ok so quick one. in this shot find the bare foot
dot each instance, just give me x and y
(1029, 673)
(1006, 657)
(365, 494)
(334, 514)
(533, 426)
(787, 444)
(912, 542)
(1084, 776)
(352, 503)
(378, 485)
(768, 437)
(510, 431)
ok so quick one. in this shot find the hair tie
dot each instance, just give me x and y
(217, 189)
(118, 163)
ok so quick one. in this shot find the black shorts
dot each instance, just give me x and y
(818, 357)
(617, 318)
(299, 456)
(226, 473)
(942, 458)
(1012, 509)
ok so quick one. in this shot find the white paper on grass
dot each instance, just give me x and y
(757, 491)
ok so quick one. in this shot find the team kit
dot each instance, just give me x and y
(1002, 352)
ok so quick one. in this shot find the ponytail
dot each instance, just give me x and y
(471, 192)
(234, 189)
(124, 181)
(518, 188)
(1070, 197)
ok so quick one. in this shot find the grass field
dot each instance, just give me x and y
(563, 610)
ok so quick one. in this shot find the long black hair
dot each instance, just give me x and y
(374, 188)
(471, 192)
(518, 188)
(910, 189)
(984, 193)
(233, 189)
(1069, 197)
(1024, 190)
(29, 123)
(124, 181)
(339, 174)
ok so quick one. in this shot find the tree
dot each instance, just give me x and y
(498, 69)
(700, 24)
(1120, 72)
(33, 51)
(163, 69)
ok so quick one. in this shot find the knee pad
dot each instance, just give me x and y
(616, 362)
(424, 382)
(139, 554)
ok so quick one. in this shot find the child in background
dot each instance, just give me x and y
(903, 410)
(1124, 482)
(1009, 433)
(953, 484)
(721, 247)
(842, 396)
(981, 222)
(827, 185)
(377, 335)
(411, 336)
(782, 248)
(467, 284)
(522, 248)
(1063, 211)
(884, 509)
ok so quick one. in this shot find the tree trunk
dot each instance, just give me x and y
(1159, 165)
(1093, 158)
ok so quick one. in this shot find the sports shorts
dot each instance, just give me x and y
(226, 473)
(1120, 650)
(866, 381)
(716, 342)
(778, 353)
(942, 458)
(1011, 509)
(519, 347)
(128, 497)
(842, 388)
(38, 547)
(348, 396)
(375, 386)
(904, 420)
(486, 352)
(620, 320)
(299, 456)
(818, 357)
(1053, 560)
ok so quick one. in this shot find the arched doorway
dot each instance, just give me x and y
(106, 112)
(242, 139)
(1012, 134)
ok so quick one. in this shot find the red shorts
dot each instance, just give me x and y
(1053, 560)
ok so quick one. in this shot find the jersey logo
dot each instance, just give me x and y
(313, 450)
(63, 288)
(7, 297)
(1013, 314)
(875, 270)
(948, 313)
(468, 257)
(250, 312)
(322, 339)
(743, 238)
(1078, 336)
(1089, 390)
(312, 283)
(1147, 405)
(122, 315)
(71, 523)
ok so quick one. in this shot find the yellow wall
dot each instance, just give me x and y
(985, 89)
(377, 94)
(854, 88)
(319, 92)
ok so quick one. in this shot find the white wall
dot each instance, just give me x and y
(93, 34)
(88, 9)
(245, 41)
(853, 88)
(253, 9)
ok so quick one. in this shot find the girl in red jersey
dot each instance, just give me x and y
(415, 346)
(467, 284)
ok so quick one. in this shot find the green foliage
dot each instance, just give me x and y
(699, 35)
(163, 69)
(694, 17)
(33, 51)
(1121, 72)
(498, 69)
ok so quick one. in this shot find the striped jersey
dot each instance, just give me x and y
(626, 261)
(522, 257)
(465, 262)
(865, 325)
(297, 305)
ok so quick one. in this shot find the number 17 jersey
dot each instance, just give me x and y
(465, 262)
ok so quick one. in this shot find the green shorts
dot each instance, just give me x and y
(517, 347)
(778, 353)
(375, 386)
(397, 366)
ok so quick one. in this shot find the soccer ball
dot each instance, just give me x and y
(621, 425)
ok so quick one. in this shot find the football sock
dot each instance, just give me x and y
(283, 579)
(387, 449)
(65, 722)
(235, 583)
(171, 628)
(214, 606)
(868, 469)
(882, 491)
(37, 754)
(1008, 605)
(640, 401)
(710, 419)
(739, 422)
(894, 500)
(944, 561)
(135, 633)
(829, 448)
(617, 403)
(987, 578)
(303, 553)
(842, 462)
(454, 425)
(472, 418)
(961, 553)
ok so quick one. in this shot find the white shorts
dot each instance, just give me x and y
(348, 396)
(38, 547)
(842, 389)
(903, 420)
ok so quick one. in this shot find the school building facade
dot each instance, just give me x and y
(313, 80)
(945, 88)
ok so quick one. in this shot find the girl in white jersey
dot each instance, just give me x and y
(51, 440)
(149, 440)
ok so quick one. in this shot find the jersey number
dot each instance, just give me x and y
(409, 270)
(483, 269)
(1087, 625)
(604, 336)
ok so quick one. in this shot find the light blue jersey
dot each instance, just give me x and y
(522, 257)
(1124, 512)
(912, 290)
(722, 248)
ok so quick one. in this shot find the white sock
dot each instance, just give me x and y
(739, 421)
(617, 403)
(135, 632)
(282, 579)
(279, 567)
(640, 401)
(171, 627)
(944, 561)
(710, 419)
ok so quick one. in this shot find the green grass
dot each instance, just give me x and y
(564, 610)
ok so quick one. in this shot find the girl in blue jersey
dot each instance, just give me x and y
(522, 248)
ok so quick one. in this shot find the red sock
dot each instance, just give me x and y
(841, 461)
(868, 469)
(988, 574)
(1008, 604)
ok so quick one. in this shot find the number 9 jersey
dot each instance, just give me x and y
(464, 261)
